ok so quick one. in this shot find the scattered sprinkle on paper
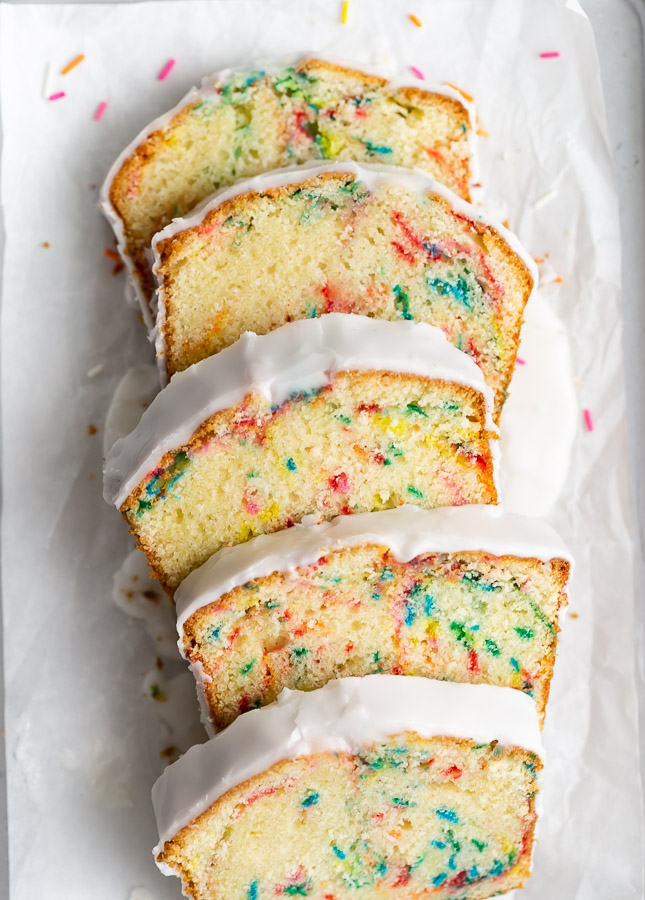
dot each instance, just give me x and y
(465, 95)
(417, 72)
(415, 20)
(100, 109)
(46, 245)
(544, 199)
(551, 54)
(112, 254)
(573, 615)
(588, 419)
(167, 69)
(482, 132)
(95, 370)
(47, 81)
(58, 96)
(118, 267)
(72, 65)
(343, 12)
(520, 362)
(92, 430)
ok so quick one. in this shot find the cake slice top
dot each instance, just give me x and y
(241, 122)
(340, 717)
(299, 357)
(408, 531)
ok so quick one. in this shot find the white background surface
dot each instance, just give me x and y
(82, 744)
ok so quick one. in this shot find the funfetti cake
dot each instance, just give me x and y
(467, 594)
(241, 123)
(383, 786)
(341, 414)
(341, 237)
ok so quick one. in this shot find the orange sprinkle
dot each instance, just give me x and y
(538, 259)
(112, 254)
(466, 96)
(92, 429)
(415, 21)
(344, 11)
(119, 267)
(559, 279)
(573, 615)
(46, 244)
(482, 132)
(72, 65)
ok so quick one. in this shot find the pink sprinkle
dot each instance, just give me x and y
(588, 420)
(339, 483)
(520, 362)
(57, 96)
(100, 109)
(167, 69)
(417, 72)
(550, 55)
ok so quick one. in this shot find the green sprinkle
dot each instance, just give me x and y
(415, 492)
(299, 651)
(481, 845)
(402, 302)
(525, 633)
(492, 647)
(414, 407)
(247, 667)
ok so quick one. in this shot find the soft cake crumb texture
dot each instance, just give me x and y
(367, 441)
(315, 110)
(467, 617)
(333, 244)
(407, 818)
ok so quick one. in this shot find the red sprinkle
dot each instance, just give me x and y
(167, 69)
(588, 419)
(100, 109)
(520, 362)
(552, 54)
(339, 483)
(112, 254)
(417, 72)
(57, 96)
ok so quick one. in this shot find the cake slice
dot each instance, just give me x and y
(468, 594)
(341, 414)
(384, 786)
(240, 123)
(341, 237)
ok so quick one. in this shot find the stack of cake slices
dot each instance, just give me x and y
(315, 487)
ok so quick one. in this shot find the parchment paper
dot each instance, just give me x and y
(83, 742)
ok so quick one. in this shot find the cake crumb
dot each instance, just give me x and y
(168, 752)
(95, 370)
(92, 429)
(151, 595)
(46, 245)
(157, 694)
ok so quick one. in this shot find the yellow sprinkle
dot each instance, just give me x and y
(482, 132)
(72, 64)
(343, 15)
(415, 21)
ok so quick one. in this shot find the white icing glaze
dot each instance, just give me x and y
(341, 717)
(299, 356)
(209, 90)
(540, 417)
(407, 531)
(134, 393)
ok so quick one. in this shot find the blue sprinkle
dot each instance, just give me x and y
(448, 814)
(452, 864)
(215, 633)
(497, 869)
(439, 844)
(290, 464)
(409, 614)
(311, 800)
(439, 879)
(429, 604)
(339, 853)
(473, 873)
(514, 663)
(458, 291)
(253, 891)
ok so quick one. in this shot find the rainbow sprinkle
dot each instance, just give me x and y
(343, 13)
(520, 362)
(417, 72)
(72, 65)
(465, 95)
(57, 96)
(588, 419)
(414, 20)
(552, 54)
(112, 254)
(100, 109)
(167, 69)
